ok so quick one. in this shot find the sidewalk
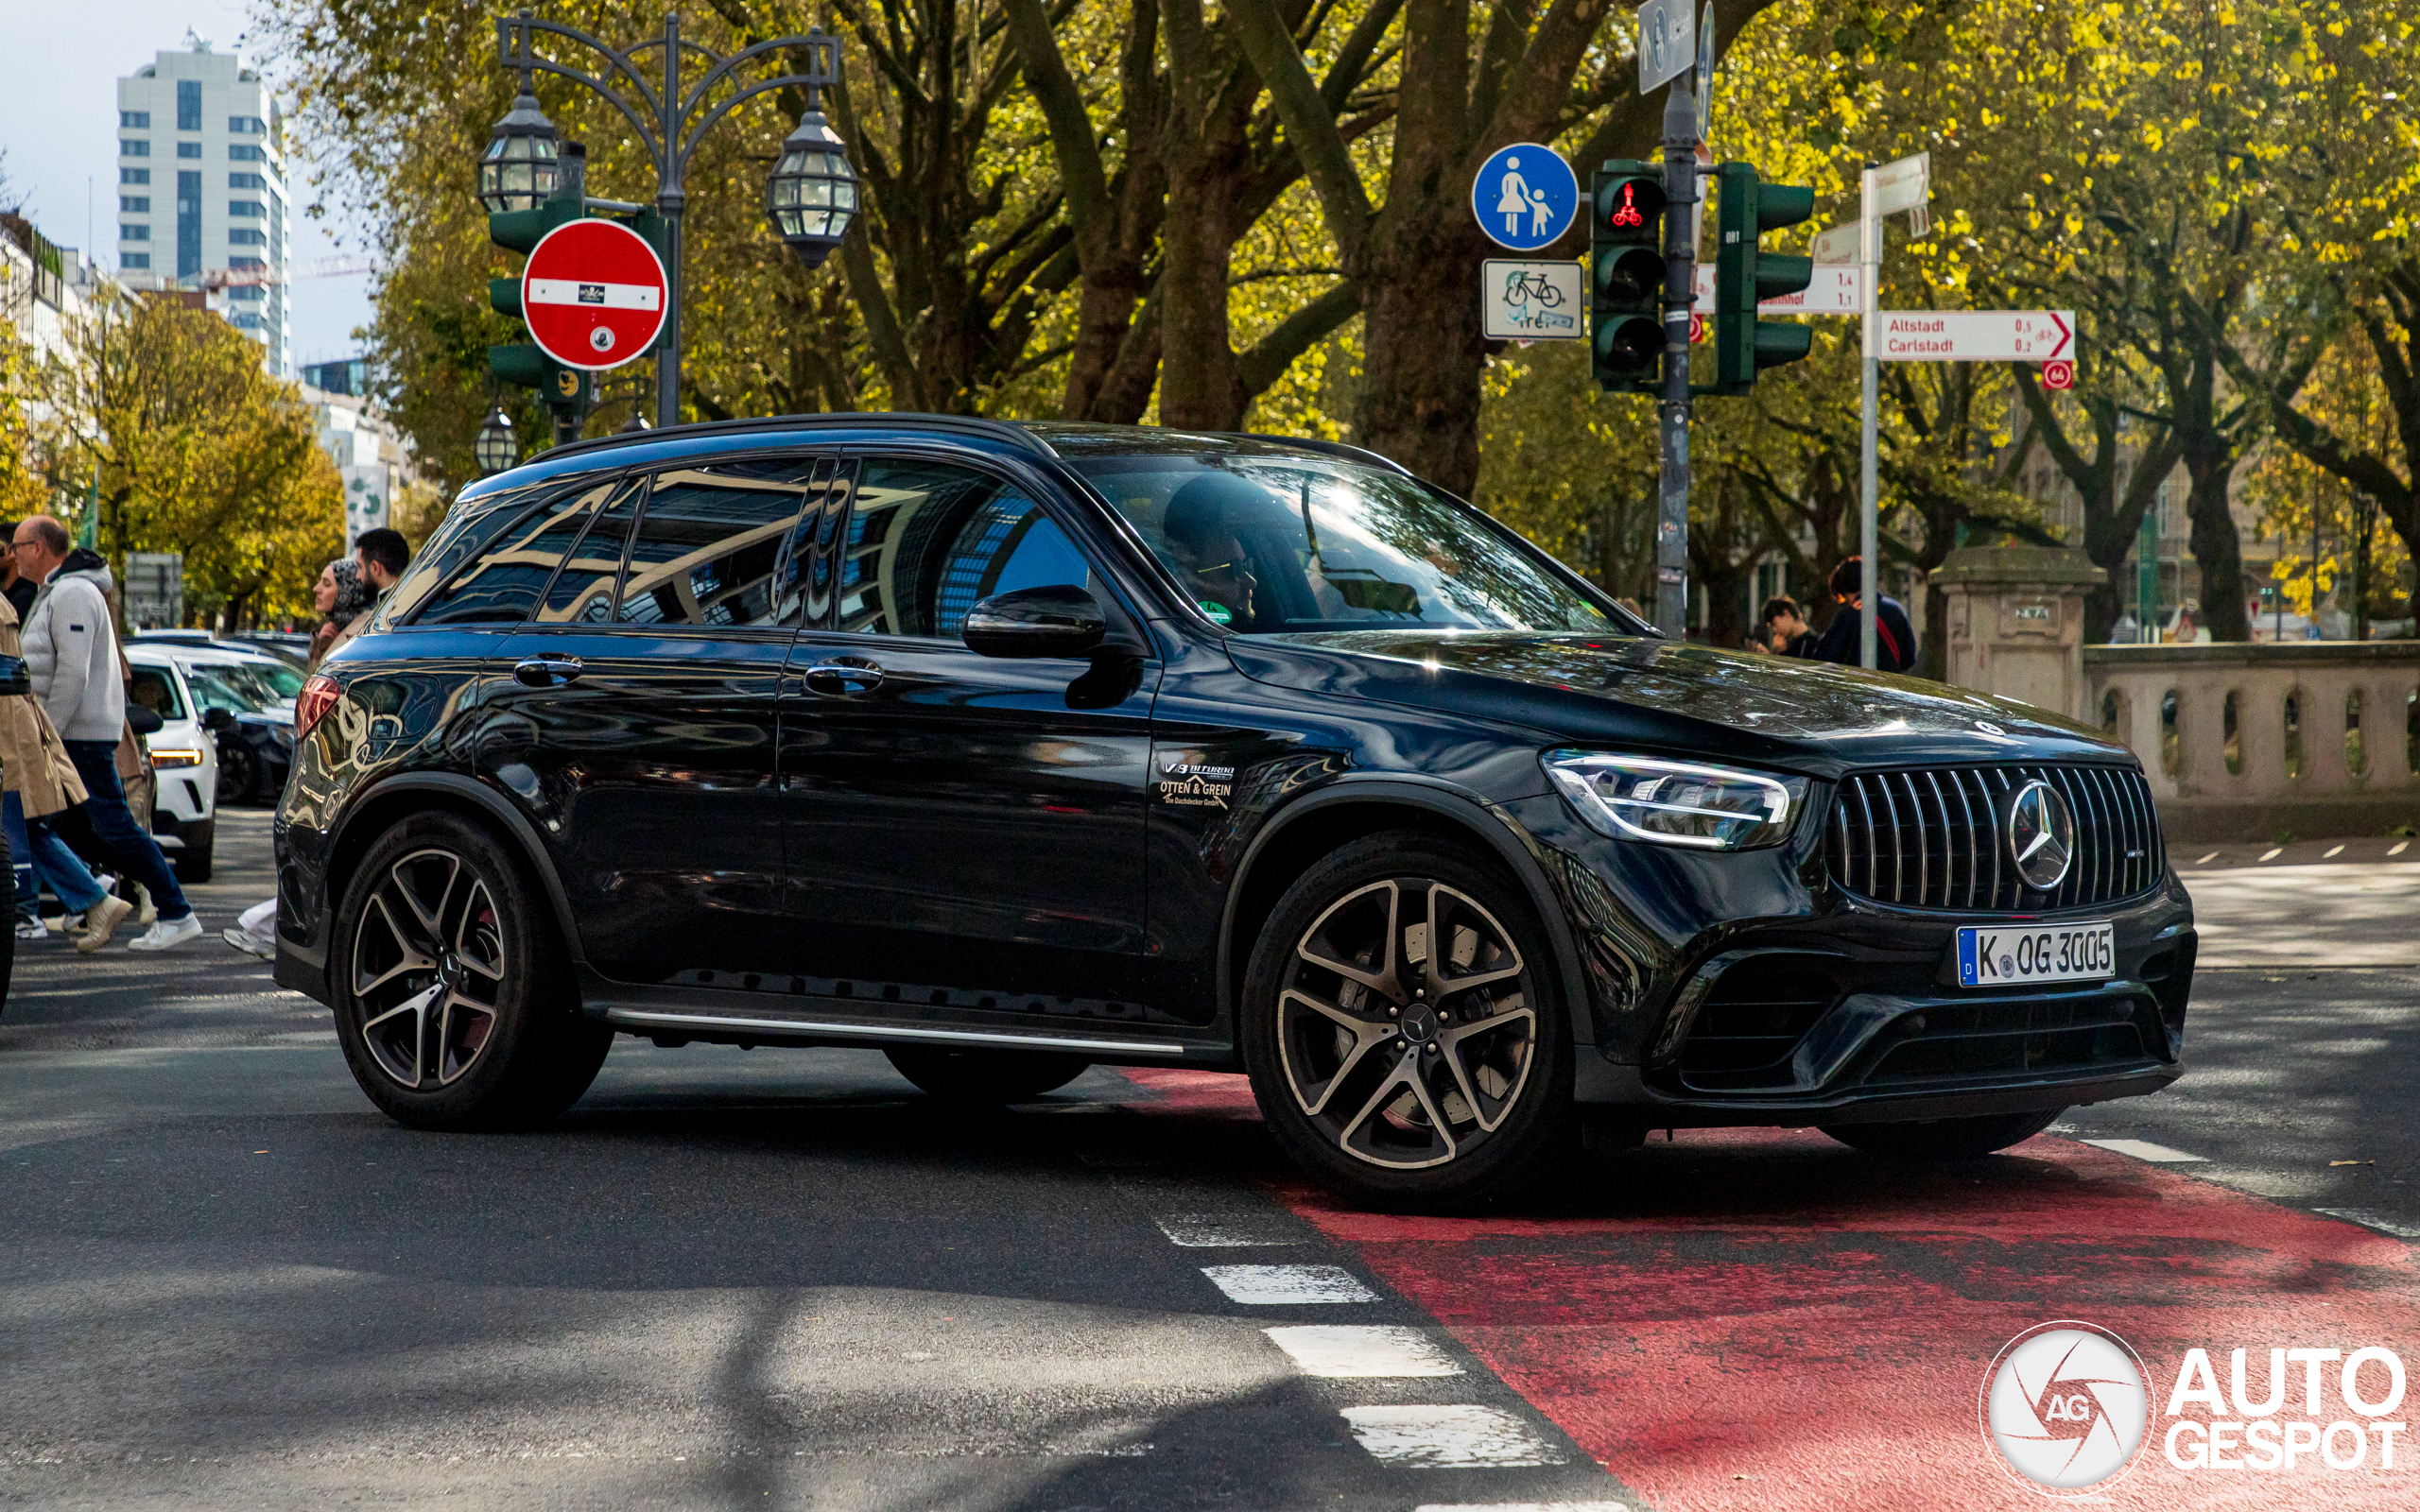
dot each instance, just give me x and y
(2312, 913)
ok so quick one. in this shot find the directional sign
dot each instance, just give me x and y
(593, 295)
(1974, 335)
(1525, 197)
(1531, 301)
(1705, 77)
(1834, 290)
(1836, 245)
(1903, 185)
(1667, 43)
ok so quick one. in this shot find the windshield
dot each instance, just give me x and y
(1273, 542)
(243, 690)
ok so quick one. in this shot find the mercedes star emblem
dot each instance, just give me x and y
(1988, 728)
(2041, 834)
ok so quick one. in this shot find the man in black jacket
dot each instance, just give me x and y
(1894, 638)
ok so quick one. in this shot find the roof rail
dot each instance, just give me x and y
(966, 424)
(1336, 449)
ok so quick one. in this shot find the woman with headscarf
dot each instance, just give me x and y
(341, 597)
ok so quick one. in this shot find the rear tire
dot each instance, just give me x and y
(192, 864)
(455, 999)
(985, 1075)
(1399, 1074)
(1944, 1139)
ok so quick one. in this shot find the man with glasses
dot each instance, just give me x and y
(1200, 533)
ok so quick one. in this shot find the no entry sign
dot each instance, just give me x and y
(593, 294)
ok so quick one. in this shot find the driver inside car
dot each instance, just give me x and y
(1200, 533)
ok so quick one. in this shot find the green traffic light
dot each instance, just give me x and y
(1745, 275)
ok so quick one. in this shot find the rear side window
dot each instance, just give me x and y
(715, 545)
(928, 541)
(503, 583)
(463, 534)
(583, 593)
(156, 691)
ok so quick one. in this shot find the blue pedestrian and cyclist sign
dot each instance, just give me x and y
(1525, 197)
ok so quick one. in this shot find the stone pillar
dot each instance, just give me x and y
(2017, 622)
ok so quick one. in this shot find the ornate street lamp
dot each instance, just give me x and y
(517, 171)
(670, 103)
(812, 192)
(496, 448)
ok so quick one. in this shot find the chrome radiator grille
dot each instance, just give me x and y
(1935, 837)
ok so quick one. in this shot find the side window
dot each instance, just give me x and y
(502, 584)
(583, 593)
(465, 531)
(929, 540)
(714, 546)
(156, 691)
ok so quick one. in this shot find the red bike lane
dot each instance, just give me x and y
(1760, 1320)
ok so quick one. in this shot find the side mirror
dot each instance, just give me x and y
(1061, 620)
(218, 721)
(143, 719)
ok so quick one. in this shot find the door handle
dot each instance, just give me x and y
(545, 671)
(840, 679)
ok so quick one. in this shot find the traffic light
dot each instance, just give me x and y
(564, 390)
(1745, 275)
(1626, 277)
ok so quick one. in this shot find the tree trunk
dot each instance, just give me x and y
(1422, 352)
(2216, 545)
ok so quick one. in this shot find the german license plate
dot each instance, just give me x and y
(2008, 956)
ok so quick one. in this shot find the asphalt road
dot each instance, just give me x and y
(788, 1279)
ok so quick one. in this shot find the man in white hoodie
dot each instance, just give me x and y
(70, 651)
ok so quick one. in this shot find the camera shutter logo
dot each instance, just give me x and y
(2041, 834)
(2064, 1407)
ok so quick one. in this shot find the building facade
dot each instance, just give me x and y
(202, 195)
(368, 453)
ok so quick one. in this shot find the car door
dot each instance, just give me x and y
(963, 830)
(645, 690)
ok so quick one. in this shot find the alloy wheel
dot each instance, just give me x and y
(1404, 1027)
(429, 962)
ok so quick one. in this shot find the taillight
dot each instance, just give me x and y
(312, 704)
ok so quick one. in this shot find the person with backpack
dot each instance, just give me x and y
(1894, 638)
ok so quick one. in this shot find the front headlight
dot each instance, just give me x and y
(174, 756)
(1712, 808)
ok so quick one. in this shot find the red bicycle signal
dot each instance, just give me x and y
(1626, 214)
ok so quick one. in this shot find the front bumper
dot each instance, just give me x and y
(1746, 990)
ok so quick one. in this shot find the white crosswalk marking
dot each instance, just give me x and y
(1472, 1437)
(1269, 1285)
(1204, 1230)
(2145, 1150)
(1523, 1506)
(1352, 1349)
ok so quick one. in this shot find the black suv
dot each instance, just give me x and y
(1016, 749)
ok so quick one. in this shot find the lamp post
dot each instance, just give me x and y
(811, 194)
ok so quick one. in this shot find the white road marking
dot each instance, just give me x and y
(2372, 1220)
(1272, 1285)
(1343, 1349)
(1449, 1437)
(2145, 1150)
(2396, 849)
(2337, 850)
(1208, 1230)
(2273, 852)
(2206, 860)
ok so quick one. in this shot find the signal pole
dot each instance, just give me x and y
(1680, 293)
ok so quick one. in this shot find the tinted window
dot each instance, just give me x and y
(156, 691)
(1267, 540)
(583, 593)
(928, 541)
(712, 545)
(502, 584)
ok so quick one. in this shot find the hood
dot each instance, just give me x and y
(86, 563)
(1809, 717)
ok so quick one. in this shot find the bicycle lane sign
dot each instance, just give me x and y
(1531, 301)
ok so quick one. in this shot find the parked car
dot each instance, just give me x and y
(247, 704)
(184, 760)
(1013, 750)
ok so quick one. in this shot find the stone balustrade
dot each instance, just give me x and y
(2251, 742)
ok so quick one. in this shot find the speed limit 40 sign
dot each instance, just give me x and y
(593, 295)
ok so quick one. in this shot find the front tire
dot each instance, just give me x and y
(455, 999)
(985, 1075)
(1394, 1072)
(1944, 1139)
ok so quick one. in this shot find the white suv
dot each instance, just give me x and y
(185, 761)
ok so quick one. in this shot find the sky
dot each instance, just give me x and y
(58, 130)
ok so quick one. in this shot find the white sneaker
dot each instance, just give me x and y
(250, 943)
(100, 923)
(167, 934)
(29, 927)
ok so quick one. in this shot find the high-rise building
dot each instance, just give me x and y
(201, 184)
